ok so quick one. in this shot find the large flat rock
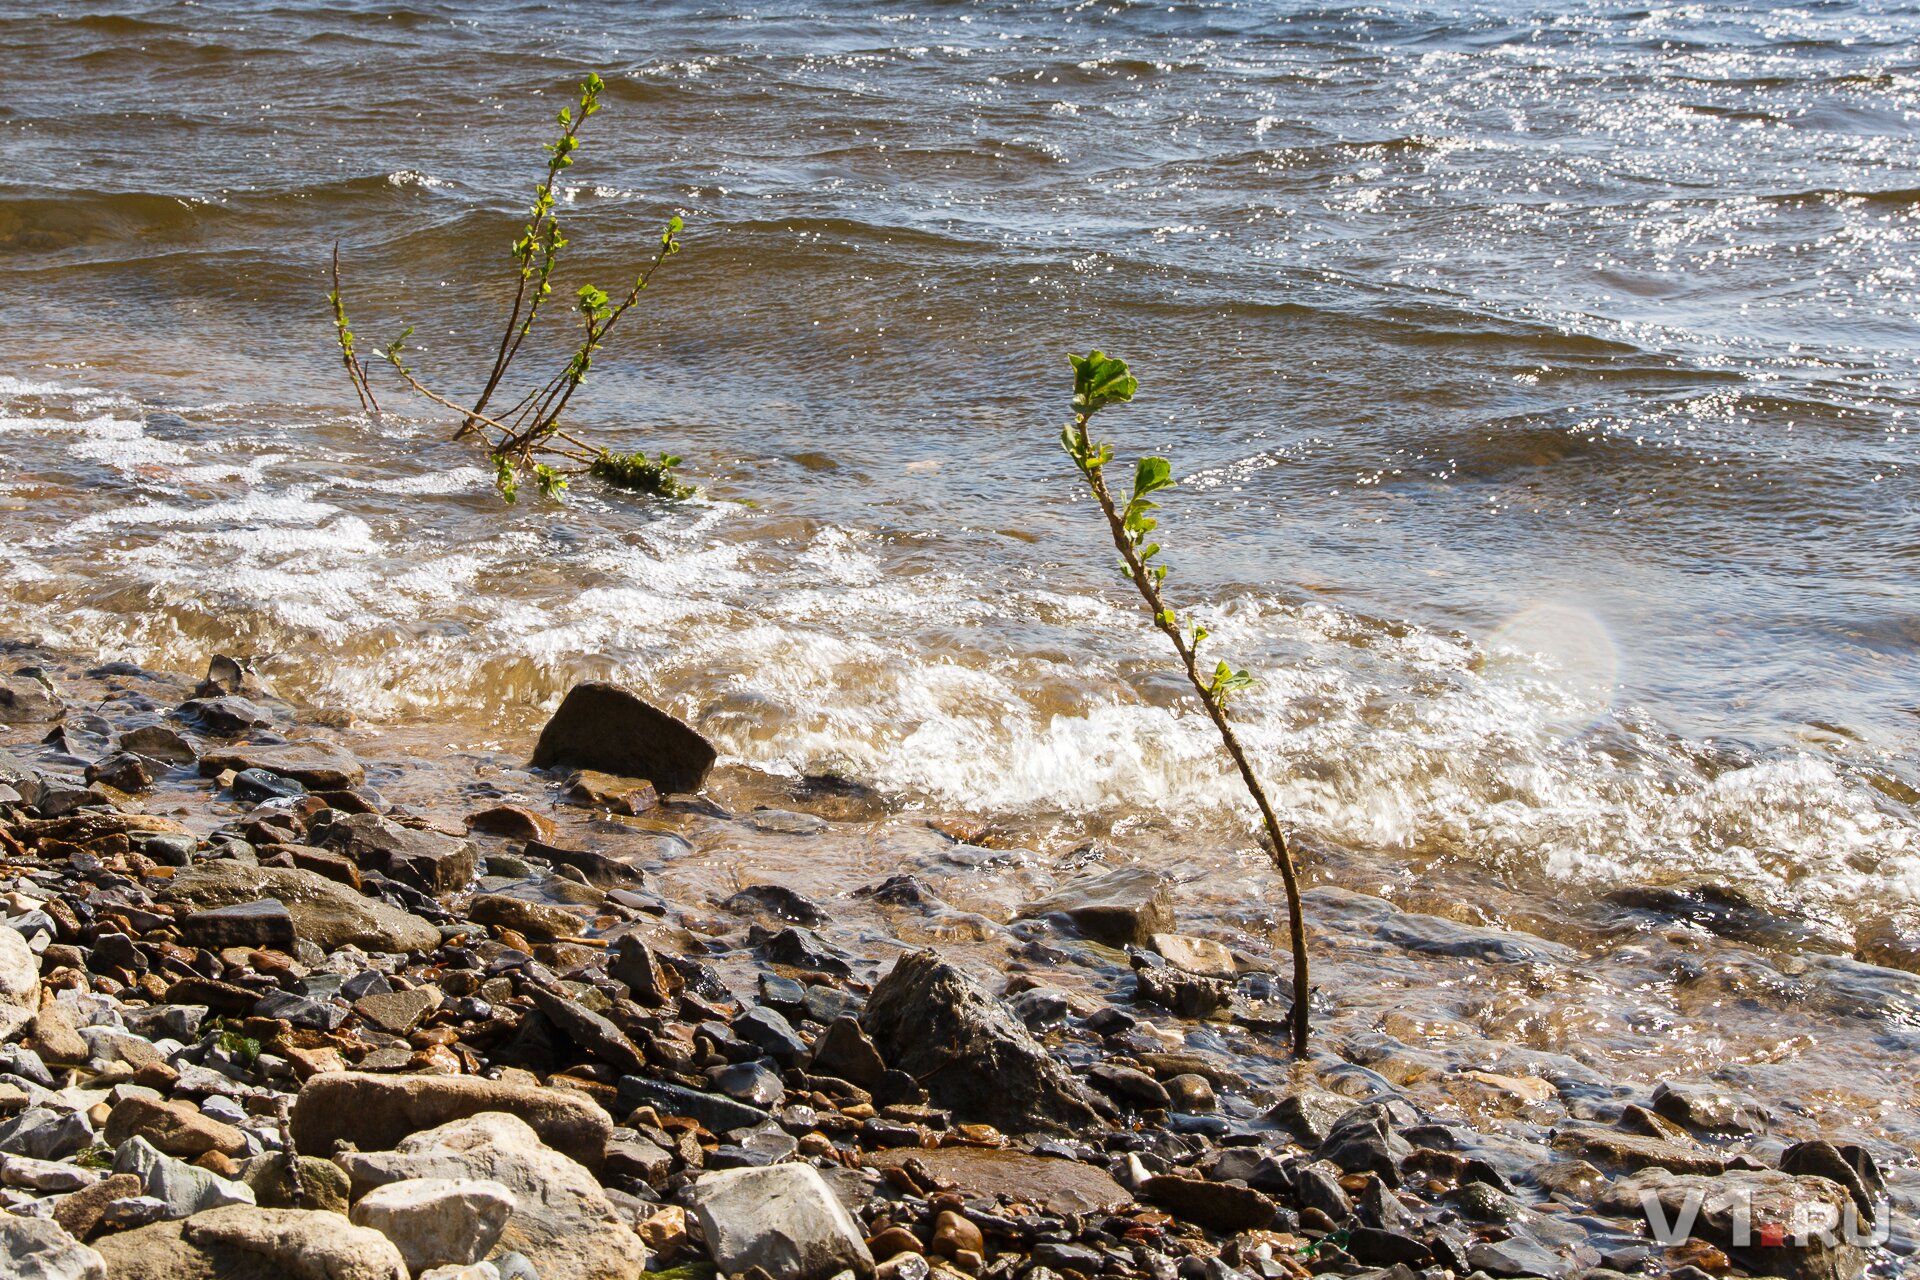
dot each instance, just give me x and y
(376, 1112)
(1057, 1186)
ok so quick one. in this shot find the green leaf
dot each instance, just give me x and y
(1098, 381)
(1150, 475)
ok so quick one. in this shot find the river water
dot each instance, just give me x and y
(1542, 381)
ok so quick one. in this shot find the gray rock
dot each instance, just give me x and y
(224, 717)
(1702, 1106)
(243, 1242)
(46, 1133)
(158, 743)
(427, 860)
(300, 1011)
(768, 1031)
(783, 1219)
(612, 729)
(44, 1175)
(563, 1223)
(19, 981)
(1734, 1211)
(264, 922)
(972, 1055)
(717, 1112)
(437, 1222)
(41, 1249)
(397, 1012)
(587, 1029)
(326, 913)
(1120, 908)
(750, 1082)
(184, 1188)
(1516, 1257)
(845, 1051)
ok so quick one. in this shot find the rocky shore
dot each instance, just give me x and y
(260, 1019)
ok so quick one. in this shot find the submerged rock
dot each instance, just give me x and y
(609, 728)
(1771, 1223)
(968, 1050)
(1121, 908)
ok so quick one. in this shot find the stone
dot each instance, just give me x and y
(602, 870)
(232, 677)
(610, 728)
(426, 860)
(224, 717)
(1849, 1165)
(633, 962)
(1200, 956)
(1703, 1107)
(973, 1056)
(1610, 1147)
(1120, 908)
(19, 981)
(769, 1031)
(41, 1249)
(1518, 1257)
(778, 902)
(46, 1133)
(319, 766)
(516, 822)
(123, 771)
(301, 1011)
(1218, 1206)
(437, 1222)
(27, 700)
(844, 1051)
(174, 1128)
(954, 1234)
(562, 1222)
(1773, 1224)
(261, 923)
(80, 1212)
(1191, 1093)
(587, 1029)
(596, 790)
(375, 1112)
(783, 1219)
(44, 1175)
(720, 1114)
(398, 1012)
(1129, 1087)
(632, 1155)
(801, 949)
(1364, 1141)
(532, 919)
(259, 786)
(185, 1189)
(158, 743)
(326, 913)
(1317, 1186)
(1057, 1186)
(54, 1037)
(322, 1183)
(243, 1242)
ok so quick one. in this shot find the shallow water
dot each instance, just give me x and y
(1542, 381)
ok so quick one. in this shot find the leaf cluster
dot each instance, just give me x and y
(530, 442)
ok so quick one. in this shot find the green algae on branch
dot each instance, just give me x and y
(527, 442)
(1099, 381)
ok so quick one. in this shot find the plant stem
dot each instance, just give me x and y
(1163, 618)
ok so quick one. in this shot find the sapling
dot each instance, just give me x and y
(527, 441)
(1098, 381)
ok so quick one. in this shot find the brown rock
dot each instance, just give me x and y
(893, 1242)
(427, 860)
(377, 1112)
(54, 1037)
(1218, 1206)
(398, 1012)
(513, 821)
(1125, 907)
(612, 729)
(1634, 1151)
(1201, 956)
(325, 913)
(176, 1128)
(953, 1234)
(532, 919)
(1058, 1186)
(80, 1212)
(318, 765)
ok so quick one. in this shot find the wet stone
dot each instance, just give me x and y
(261, 923)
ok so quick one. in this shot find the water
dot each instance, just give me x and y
(1542, 380)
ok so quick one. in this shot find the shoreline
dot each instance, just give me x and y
(517, 926)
